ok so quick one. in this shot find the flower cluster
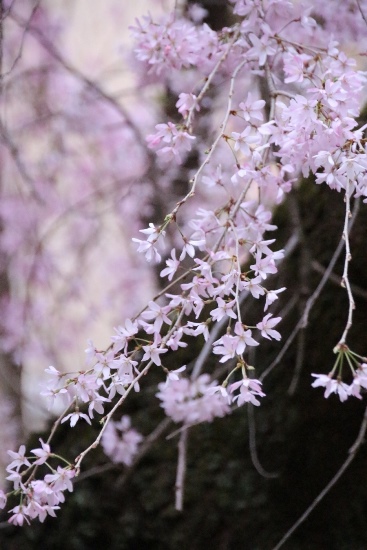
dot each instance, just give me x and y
(120, 442)
(39, 497)
(176, 142)
(174, 44)
(193, 401)
(217, 231)
(358, 367)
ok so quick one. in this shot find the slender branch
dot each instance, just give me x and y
(209, 79)
(304, 288)
(207, 348)
(214, 145)
(56, 424)
(357, 290)
(303, 321)
(14, 151)
(345, 280)
(352, 454)
(181, 470)
(143, 449)
(91, 84)
(108, 417)
(361, 11)
(301, 345)
(21, 46)
(252, 445)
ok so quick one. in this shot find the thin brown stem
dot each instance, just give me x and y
(351, 456)
(181, 470)
(303, 321)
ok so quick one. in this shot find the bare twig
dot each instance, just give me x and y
(207, 348)
(107, 418)
(252, 445)
(181, 470)
(303, 321)
(361, 11)
(209, 79)
(345, 280)
(299, 362)
(304, 273)
(79, 459)
(195, 179)
(143, 449)
(22, 41)
(14, 151)
(357, 290)
(90, 84)
(352, 454)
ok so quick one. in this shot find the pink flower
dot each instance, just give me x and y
(159, 314)
(174, 342)
(266, 327)
(253, 286)
(123, 334)
(243, 140)
(263, 266)
(322, 380)
(172, 265)
(173, 374)
(153, 352)
(3, 499)
(74, 417)
(223, 309)
(332, 386)
(244, 338)
(294, 66)
(148, 248)
(338, 387)
(262, 48)
(227, 347)
(15, 477)
(43, 454)
(187, 102)
(271, 296)
(252, 111)
(250, 389)
(19, 459)
(19, 516)
(120, 442)
(61, 480)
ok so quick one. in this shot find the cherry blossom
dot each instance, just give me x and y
(223, 309)
(19, 459)
(190, 402)
(153, 351)
(120, 442)
(74, 417)
(250, 389)
(172, 265)
(251, 110)
(214, 171)
(266, 327)
(42, 453)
